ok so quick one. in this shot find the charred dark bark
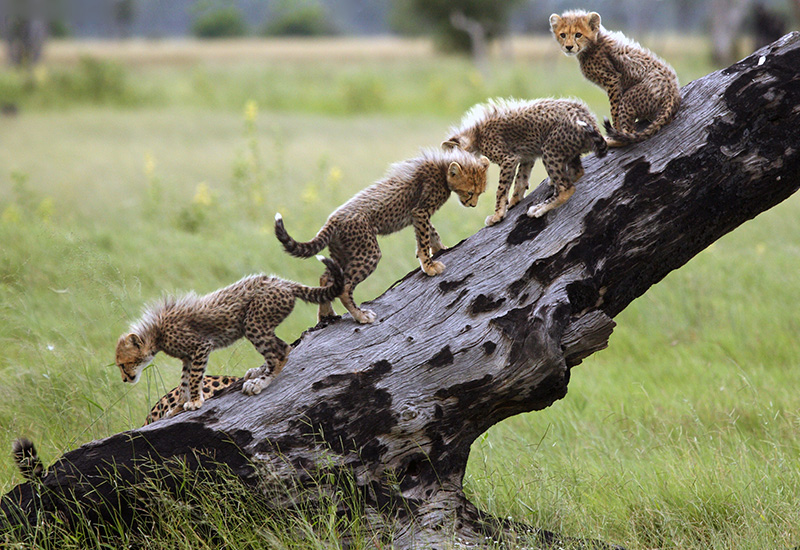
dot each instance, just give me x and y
(398, 403)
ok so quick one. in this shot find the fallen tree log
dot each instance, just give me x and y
(398, 403)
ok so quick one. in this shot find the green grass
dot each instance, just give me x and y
(683, 434)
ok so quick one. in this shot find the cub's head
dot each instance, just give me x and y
(575, 30)
(132, 357)
(466, 177)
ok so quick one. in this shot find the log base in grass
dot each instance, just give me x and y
(396, 404)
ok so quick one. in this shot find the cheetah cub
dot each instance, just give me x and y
(170, 403)
(190, 327)
(408, 195)
(642, 88)
(514, 133)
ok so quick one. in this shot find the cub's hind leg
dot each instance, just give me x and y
(558, 170)
(326, 308)
(275, 352)
(264, 314)
(575, 169)
(364, 257)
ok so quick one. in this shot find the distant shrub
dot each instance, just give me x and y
(220, 23)
(58, 28)
(301, 18)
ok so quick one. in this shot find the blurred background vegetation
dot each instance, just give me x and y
(146, 145)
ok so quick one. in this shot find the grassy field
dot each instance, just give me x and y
(158, 168)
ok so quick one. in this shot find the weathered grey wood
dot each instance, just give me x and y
(398, 403)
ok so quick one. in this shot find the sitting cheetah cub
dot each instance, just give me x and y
(170, 403)
(409, 194)
(190, 327)
(514, 133)
(642, 88)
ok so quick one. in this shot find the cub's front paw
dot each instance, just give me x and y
(494, 218)
(255, 385)
(193, 405)
(433, 268)
(254, 373)
(365, 316)
(538, 210)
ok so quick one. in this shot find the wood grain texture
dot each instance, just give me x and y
(398, 403)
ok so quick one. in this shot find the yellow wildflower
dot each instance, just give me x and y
(149, 165)
(202, 195)
(11, 215)
(250, 111)
(335, 174)
(46, 209)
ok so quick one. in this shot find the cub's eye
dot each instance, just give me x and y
(578, 35)
(563, 35)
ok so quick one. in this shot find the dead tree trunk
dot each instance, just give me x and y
(398, 403)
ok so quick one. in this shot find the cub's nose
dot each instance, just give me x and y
(569, 48)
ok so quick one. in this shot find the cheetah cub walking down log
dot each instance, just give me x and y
(514, 133)
(642, 88)
(192, 326)
(409, 194)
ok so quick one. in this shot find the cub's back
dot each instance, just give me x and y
(527, 126)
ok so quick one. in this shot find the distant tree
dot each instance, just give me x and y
(220, 23)
(299, 18)
(25, 36)
(767, 26)
(124, 12)
(727, 19)
(456, 24)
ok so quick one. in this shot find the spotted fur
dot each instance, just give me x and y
(190, 327)
(27, 459)
(409, 195)
(170, 404)
(642, 88)
(514, 133)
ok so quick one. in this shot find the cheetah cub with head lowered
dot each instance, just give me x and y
(409, 195)
(515, 133)
(190, 327)
(642, 88)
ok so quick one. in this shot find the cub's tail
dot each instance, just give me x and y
(620, 138)
(599, 145)
(27, 459)
(323, 294)
(302, 250)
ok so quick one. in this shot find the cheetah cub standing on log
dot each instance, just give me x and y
(409, 194)
(190, 327)
(642, 88)
(514, 133)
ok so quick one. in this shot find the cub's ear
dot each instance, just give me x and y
(484, 160)
(451, 143)
(134, 340)
(454, 170)
(593, 20)
(555, 19)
